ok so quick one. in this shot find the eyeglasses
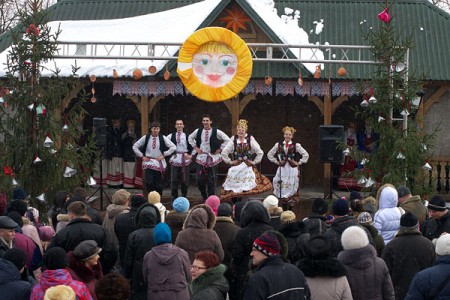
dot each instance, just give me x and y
(196, 268)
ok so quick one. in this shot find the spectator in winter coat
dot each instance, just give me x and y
(208, 281)
(213, 201)
(367, 274)
(273, 278)
(84, 265)
(139, 243)
(80, 194)
(124, 224)
(434, 282)
(296, 236)
(254, 221)
(198, 234)
(11, 284)
(412, 204)
(365, 220)
(58, 203)
(387, 218)
(155, 198)
(119, 206)
(325, 274)
(18, 257)
(113, 286)
(7, 233)
(166, 268)
(315, 223)
(226, 230)
(439, 221)
(271, 204)
(408, 253)
(176, 217)
(55, 273)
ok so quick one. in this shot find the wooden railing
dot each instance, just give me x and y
(440, 175)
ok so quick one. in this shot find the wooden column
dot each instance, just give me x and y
(144, 115)
(327, 121)
(236, 106)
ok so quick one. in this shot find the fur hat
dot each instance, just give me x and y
(86, 250)
(181, 205)
(224, 210)
(318, 247)
(365, 218)
(60, 292)
(162, 234)
(154, 197)
(340, 207)
(46, 233)
(437, 203)
(137, 200)
(17, 256)
(213, 201)
(268, 244)
(354, 237)
(409, 220)
(443, 245)
(403, 191)
(55, 258)
(287, 217)
(355, 195)
(120, 197)
(270, 201)
(319, 206)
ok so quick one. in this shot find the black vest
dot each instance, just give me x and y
(214, 142)
(162, 145)
(174, 140)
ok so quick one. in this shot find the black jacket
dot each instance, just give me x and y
(139, 243)
(11, 285)
(296, 237)
(123, 227)
(315, 224)
(211, 285)
(432, 228)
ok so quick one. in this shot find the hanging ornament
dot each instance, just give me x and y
(91, 181)
(52, 151)
(7, 170)
(32, 29)
(405, 113)
(346, 152)
(37, 159)
(14, 182)
(69, 172)
(115, 74)
(380, 118)
(372, 99)
(369, 182)
(361, 180)
(152, 70)
(300, 79)
(48, 142)
(268, 80)
(2, 100)
(41, 110)
(364, 161)
(93, 99)
(317, 72)
(384, 16)
(342, 71)
(400, 156)
(427, 167)
(31, 107)
(364, 104)
(65, 127)
(92, 78)
(41, 197)
(137, 74)
(166, 73)
(424, 147)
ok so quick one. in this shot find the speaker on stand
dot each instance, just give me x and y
(330, 138)
(101, 142)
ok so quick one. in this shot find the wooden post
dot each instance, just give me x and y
(144, 115)
(327, 121)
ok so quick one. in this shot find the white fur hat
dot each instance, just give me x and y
(354, 237)
(270, 201)
(443, 245)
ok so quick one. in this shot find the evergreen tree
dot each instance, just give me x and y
(400, 150)
(40, 137)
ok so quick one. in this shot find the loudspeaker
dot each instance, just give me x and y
(99, 128)
(330, 136)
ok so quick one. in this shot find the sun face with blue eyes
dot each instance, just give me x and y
(215, 65)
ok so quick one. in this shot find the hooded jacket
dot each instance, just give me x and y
(112, 211)
(226, 230)
(387, 218)
(211, 285)
(175, 221)
(139, 243)
(414, 205)
(167, 273)
(198, 234)
(50, 278)
(296, 237)
(11, 285)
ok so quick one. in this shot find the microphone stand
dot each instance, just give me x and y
(280, 181)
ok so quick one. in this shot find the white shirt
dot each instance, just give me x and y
(208, 159)
(153, 152)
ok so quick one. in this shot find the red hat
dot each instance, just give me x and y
(268, 244)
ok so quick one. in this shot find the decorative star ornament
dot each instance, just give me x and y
(236, 19)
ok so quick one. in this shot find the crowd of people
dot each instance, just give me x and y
(392, 246)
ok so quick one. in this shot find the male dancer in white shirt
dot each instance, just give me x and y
(207, 142)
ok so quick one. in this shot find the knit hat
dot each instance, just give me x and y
(365, 218)
(287, 217)
(403, 191)
(17, 256)
(46, 233)
(7, 223)
(437, 203)
(270, 201)
(443, 245)
(224, 210)
(154, 197)
(354, 237)
(268, 244)
(86, 250)
(137, 200)
(409, 220)
(16, 217)
(55, 258)
(355, 195)
(181, 205)
(213, 202)
(19, 194)
(120, 197)
(318, 247)
(162, 234)
(319, 206)
(60, 292)
(340, 207)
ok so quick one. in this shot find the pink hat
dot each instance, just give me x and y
(213, 202)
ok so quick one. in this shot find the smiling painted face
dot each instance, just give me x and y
(215, 64)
